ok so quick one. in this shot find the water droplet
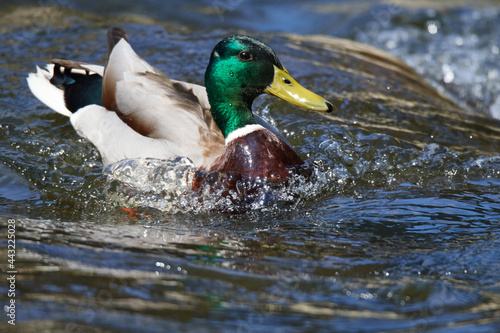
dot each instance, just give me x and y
(433, 27)
(391, 44)
(231, 73)
(448, 74)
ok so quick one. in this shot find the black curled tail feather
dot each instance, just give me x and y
(115, 34)
(80, 88)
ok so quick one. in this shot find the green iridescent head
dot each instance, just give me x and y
(240, 69)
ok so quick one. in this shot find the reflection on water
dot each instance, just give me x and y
(324, 270)
(397, 231)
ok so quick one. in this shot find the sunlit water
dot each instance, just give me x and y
(397, 229)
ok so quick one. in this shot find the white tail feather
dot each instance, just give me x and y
(40, 86)
(123, 59)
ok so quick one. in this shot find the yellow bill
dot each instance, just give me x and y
(285, 87)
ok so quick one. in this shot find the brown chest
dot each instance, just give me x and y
(258, 157)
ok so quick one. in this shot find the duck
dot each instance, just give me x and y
(129, 109)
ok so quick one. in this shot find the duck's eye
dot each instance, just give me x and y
(245, 56)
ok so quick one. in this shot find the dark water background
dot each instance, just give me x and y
(398, 233)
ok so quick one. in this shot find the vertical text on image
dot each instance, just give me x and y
(10, 308)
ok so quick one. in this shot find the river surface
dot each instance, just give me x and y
(398, 230)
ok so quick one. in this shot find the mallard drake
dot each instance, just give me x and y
(129, 109)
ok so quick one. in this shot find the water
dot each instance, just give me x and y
(396, 232)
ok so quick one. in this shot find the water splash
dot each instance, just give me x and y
(149, 182)
(459, 56)
(339, 168)
(166, 185)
